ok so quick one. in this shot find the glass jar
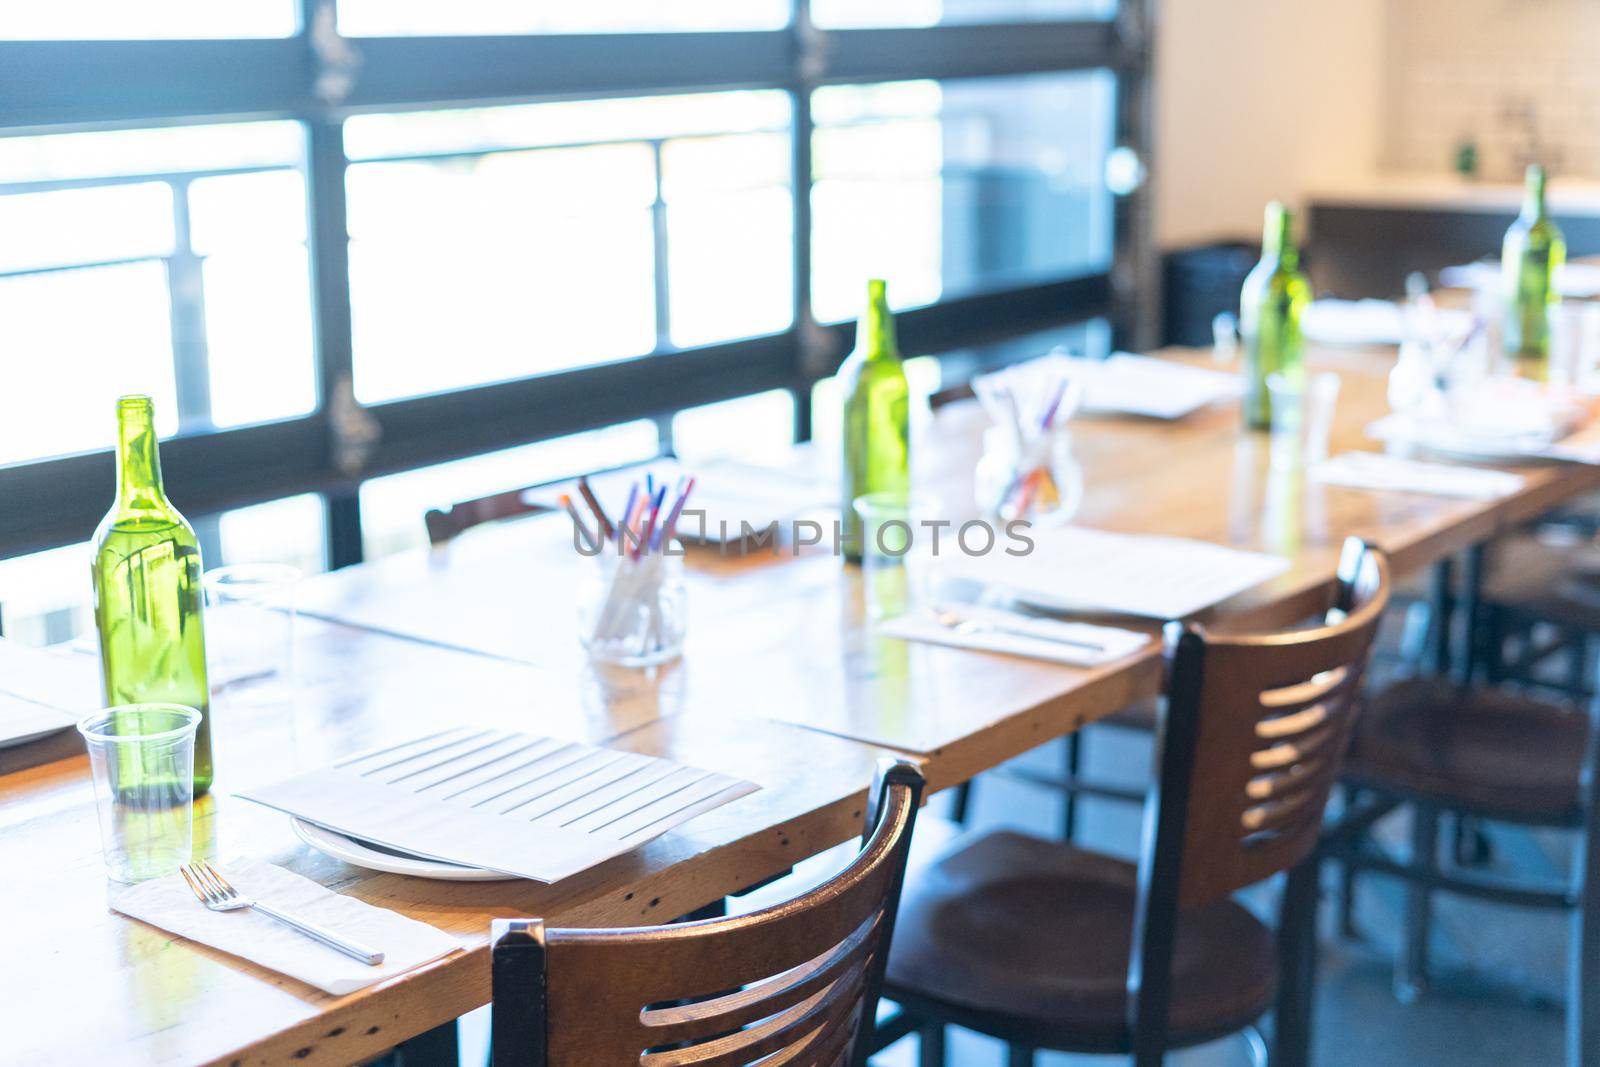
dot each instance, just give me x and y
(633, 612)
(1037, 479)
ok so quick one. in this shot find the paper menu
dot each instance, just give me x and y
(1078, 569)
(534, 807)
(44, 690)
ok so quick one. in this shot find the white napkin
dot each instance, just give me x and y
(1019, 635)
(1377, 470)
(406, 943)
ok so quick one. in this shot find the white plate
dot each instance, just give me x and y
(377, 858)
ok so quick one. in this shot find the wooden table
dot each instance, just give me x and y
(782, 683)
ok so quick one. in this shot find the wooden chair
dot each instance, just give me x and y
(458, 518)
(1044, 945)
(1485, 754)
(794, 985)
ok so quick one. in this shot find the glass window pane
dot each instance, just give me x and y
(292, 530)
(399, 18)
(234, 212)
(171, 149)
(748, 428)
(392, 507)
(133, 19)
(730, 237)
(76, 340)
(835, 14)
(489, 244)
(70, 227)
(948, 189)
(82, 326)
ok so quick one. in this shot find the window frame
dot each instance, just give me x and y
(317, 78)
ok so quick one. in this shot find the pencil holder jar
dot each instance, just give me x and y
(633, 611)
(1036, 479)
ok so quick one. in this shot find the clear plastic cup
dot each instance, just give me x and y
(142, 760)
(1302, 417)
(250, 631)
(897, 550)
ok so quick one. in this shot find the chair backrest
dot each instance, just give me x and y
(1250, 745)
(795, 984)
(445, 525)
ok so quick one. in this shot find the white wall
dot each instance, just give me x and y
(1257, 99)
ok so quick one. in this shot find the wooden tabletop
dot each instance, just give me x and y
(782, 683)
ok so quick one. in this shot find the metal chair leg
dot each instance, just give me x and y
(1347, 876)
(1583, 966)
(1019, 1056)
(1411, 969)
(1297, 950)
(961, 797)
(1069, 808)
(930, 1045)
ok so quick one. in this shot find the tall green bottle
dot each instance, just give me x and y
(1274, 297)
(877, 414)
(147, 588)
(1532, 253)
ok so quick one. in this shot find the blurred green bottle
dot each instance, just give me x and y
(877, 414)
(1529, 259)
(1274, 297)
(147, 590)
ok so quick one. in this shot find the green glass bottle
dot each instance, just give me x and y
(1274, 297)
(147, 589)
(877, 414)
(1531, 255)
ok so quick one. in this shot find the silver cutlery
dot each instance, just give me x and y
(216, 893)
(963, 624)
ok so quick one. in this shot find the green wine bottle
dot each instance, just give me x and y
(877, 414)
(147, 590)
(1275, 295)
(1529, 259)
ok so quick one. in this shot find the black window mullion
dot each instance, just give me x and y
(329, 247)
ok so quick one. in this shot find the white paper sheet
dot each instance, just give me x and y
(406, 943)
(1078, 569)
(1377, 470)
(1369, 322)
(534, 807)
(1127, 384)
(1577, 280)
(729, 498)
(43, 691)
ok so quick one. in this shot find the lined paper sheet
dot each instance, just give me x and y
(1127, 384)
(529, 806)
(1078, 569)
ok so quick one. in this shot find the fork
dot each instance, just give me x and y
(962, 624)
(217, 894)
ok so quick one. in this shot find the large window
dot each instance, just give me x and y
(370, 255)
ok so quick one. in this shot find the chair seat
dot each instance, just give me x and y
(1028, 940)
(1489, 751)
(1547, 580)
